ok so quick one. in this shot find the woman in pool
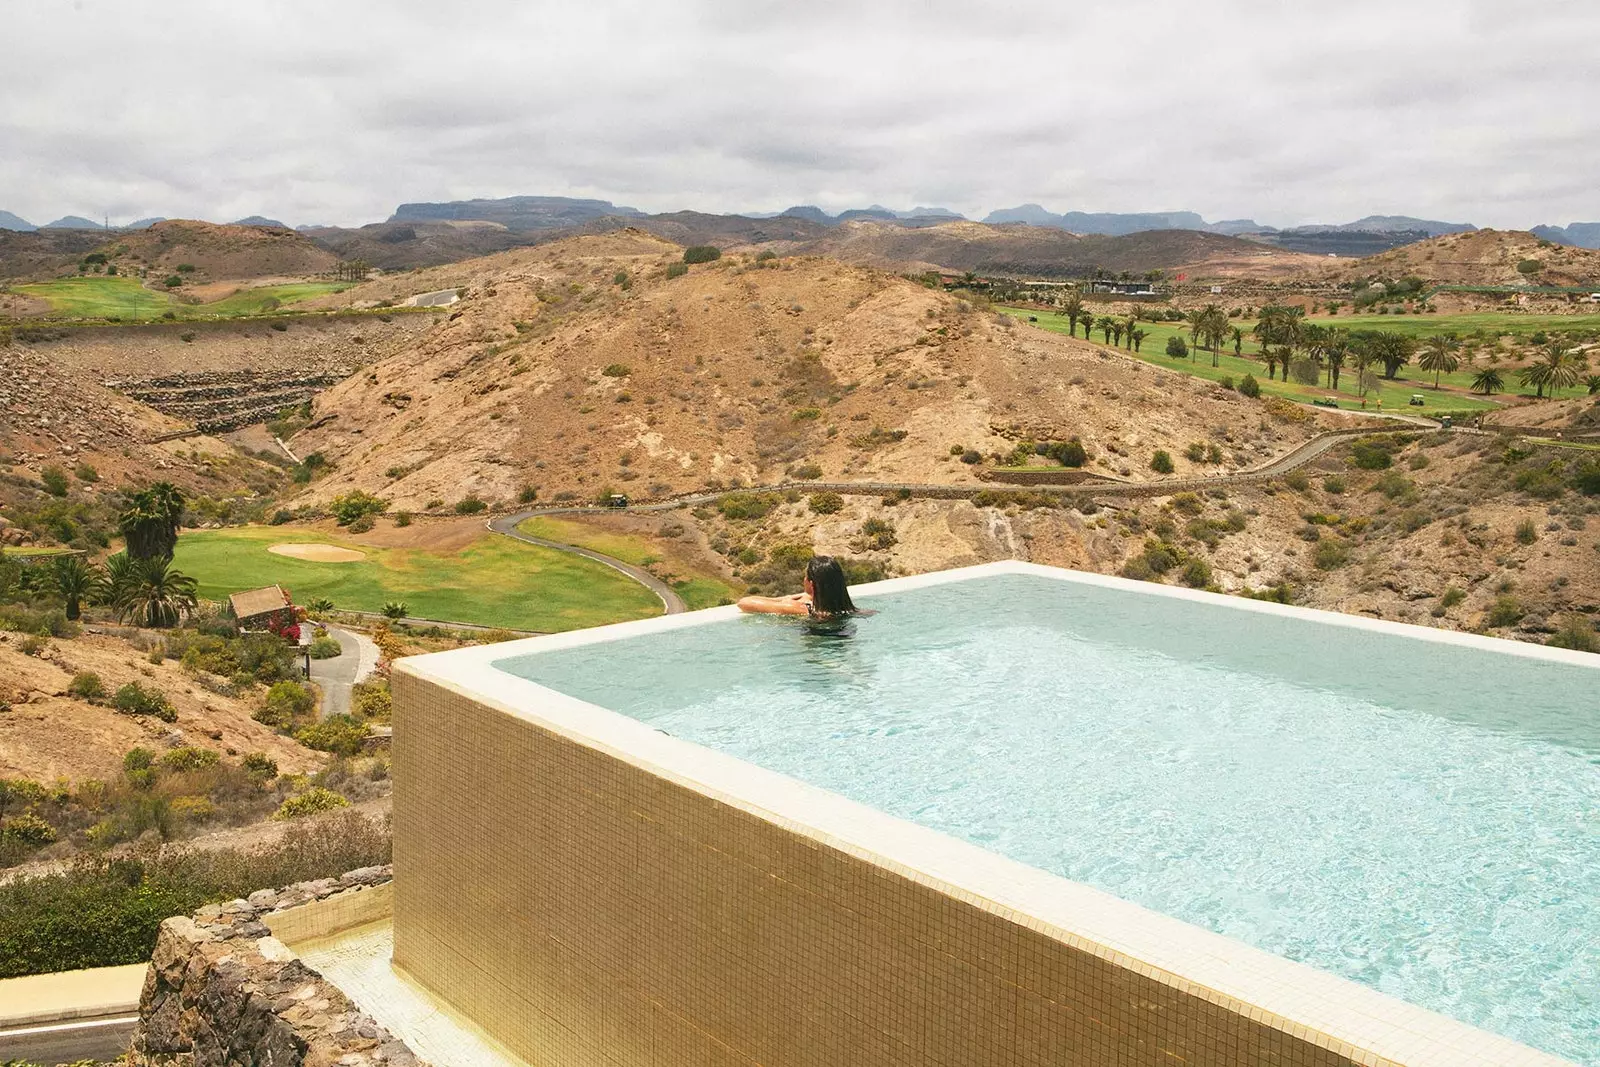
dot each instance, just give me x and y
(826, 596)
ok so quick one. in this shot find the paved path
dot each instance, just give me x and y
(336, 676)
(97, 1040)
(507, 524)
(69, 1015)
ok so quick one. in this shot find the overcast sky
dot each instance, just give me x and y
(334, 112)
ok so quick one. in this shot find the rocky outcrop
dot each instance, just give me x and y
(223, 992)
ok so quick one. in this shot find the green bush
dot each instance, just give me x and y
(402, 519)
(285, 702)
(1333, 484)
(188, 758)
(1586, 479)
(616, 370)
(1505, 611)
(1331, 553)
(86, 473)
(1529, 266)
(339, 734)
(1248, 386)
(1197, 573)
(470, 505)
(1575, 633)
(104, 910)
(259, 765)
(677, 270)
(1070, 453)
(1177, 348)
(1161, 462)
(313, 801)
(826, 503)
(348, 507)
(372, 700)
(701, 253)
(396, 609)
(1542, 482)
(325, 648)
(26, 832)
(135, 699)
(1372, 454)
(528, 494)
(1527, 532)
(86, 685)
(746, 505)
(54, 480)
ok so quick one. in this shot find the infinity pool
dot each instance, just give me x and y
(1419, 815)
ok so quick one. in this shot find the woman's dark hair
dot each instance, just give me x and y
(830, 595)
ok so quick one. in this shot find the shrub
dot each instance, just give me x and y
(172, 281)
(1527, 532)
(1331, 553)
(1197, 573)
(1505, 611)
(1542, 482)
(1529, 266)
(86, 473)
(138, 759)
(362, 525)
(135, 699)
(1372, 454)
(339, 734)
(528, 494)
(280, 517)
(701, 253)
(188, 758)
(826, 503)
(470, 505)
(357, 503)
(1575, 633)
(1177, 348)
(1586, 479)
(280, 326)
(54, 480)
(402, 519)
(285, 702)
(260, 766)
(396, 609)
(325, 648)
(746, 505)
(1070, 453)
(677, 270)
(311, 802)
(616, 370)
(372, 700)
(86, 685)
(105, 910)
(1248, 386)
(806, 415)
(1161, 462)
(807, 472)
(26, 831)
(1333, 484)
(1299, 481)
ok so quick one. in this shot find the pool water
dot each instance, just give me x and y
(1418, 816)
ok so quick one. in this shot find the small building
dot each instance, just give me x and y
(268, 609)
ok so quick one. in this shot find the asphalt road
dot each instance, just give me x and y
(100, 1040)
(507, 524)
(337, 675)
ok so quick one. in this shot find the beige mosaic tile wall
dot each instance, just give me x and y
(588, 914)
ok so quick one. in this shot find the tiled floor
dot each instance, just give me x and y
(357, 961)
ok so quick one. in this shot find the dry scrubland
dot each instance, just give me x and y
(552, 374)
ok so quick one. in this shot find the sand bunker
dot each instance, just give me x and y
(318, 553)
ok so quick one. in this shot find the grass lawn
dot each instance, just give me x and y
(1394, 394)
(494, 581)
(697, 590)
(100, 297)
(26, 552)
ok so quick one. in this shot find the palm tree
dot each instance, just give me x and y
(1337, 348)
(151, 595)
(1127, 328)
(1138, 339)
(1279, 327)
(1556, 368)
(1238, 341)
(1072, 307)
(1116, 331)
(149, 524)
(1105, 324)
(1214, 327)
(1439, 356)
(1488, 381)
(76, 580)
(1196, 321)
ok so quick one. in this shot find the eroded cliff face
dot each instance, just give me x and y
(223, 992)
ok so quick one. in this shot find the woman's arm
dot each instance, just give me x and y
(794, 604)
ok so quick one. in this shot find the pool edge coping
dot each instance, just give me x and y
(1332, 1012)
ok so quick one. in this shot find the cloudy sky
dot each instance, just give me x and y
(1286, 111)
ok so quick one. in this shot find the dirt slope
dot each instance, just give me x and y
(48, 735)
(550, 374)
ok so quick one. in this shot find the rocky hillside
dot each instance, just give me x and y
(1482, 257)
(582, 366)
(231, 252)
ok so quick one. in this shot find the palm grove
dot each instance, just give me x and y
(138, 583)
(1310, 353)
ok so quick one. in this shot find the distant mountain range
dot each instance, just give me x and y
(537, 214)
(1577, 234)
(258, 220)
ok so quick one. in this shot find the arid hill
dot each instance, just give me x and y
(44, 253)
(581, 366)
(234, 253)
(1483, 257)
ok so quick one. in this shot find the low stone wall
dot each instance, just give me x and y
(222, 991)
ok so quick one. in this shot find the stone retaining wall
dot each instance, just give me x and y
(222, 991)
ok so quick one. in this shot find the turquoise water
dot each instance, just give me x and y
(1421, 818)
